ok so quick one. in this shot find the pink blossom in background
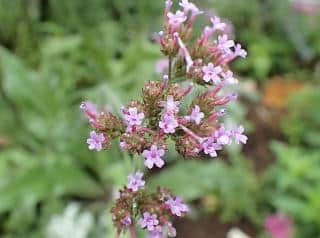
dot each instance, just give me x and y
(135, 181)
(308, 7)
(279, 225)
(162, 65)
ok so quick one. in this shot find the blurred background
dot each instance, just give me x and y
(56, 53)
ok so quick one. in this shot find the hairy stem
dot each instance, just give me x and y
(132, 232)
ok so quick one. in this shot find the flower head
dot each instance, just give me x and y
(224, 44)
(238, 135)
(175, 20)
(238, 51)
(218, 25)
(171, 230)
(189, 6)
(222, 136)
(135, 181)
(279, 226)
(156, 233)
(210, 147)
(211, 73)
(149, 221)
(196, 115)
(228, 77)
(133, 117)
(171, 106)
(168, 123)
(177, 206)
(96, 141)
(153, 157)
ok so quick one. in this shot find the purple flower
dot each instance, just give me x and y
(162, 65)
(123, 145)
(153, 157)
(188, 6)
(171, 230)
(133, 117)
(126, 220)
(177, 206)
(224, 44)
(238, 51)
(222, 136)
(135, 181)
(95, 141)
(218, 25)
(170, 105)
(175, 20)
(211, 73)
(210, 147)
(156, 233)
(149, 221)
(196, 115)
(168, 123)
(228, 77)
(279, 226)
(238, 135)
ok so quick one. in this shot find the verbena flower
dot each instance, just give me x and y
(156, 233)
(175, 20)
(211, 73)
(188, 6)
(153, 157)
(135, 181)
(177, 206)
(170, 106)
(133, 117)
(210, 147)
(149, 221)
(279, 225)
(168, 123)
(196, 115)
(95, 141)
(238, 135)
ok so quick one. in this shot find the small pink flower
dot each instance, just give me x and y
(170, 106)
(95, 141)
(196, 115)
(279, 226)
(162, 65)
(210, 147)
(238, 135)
(135, 181)
(153, 157)
(224, 44)
(222, 136)
(149, 221)
(228, 77)
(171, 230)
(177, 206)
(238, 51)
(133, 117)
(90, 110)
(126, 220)
(218, 25)
(168, 123)
(211, 73)
(188, 6)
(175, 20)
(156, 233)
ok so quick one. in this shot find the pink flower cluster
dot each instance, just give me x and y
(148, 124)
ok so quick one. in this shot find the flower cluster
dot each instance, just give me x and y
(147, 124)
(152, 211)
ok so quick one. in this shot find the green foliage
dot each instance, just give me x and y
(303, 107)
(292, 185)
(195, 179)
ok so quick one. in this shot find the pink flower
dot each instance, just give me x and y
(238, 135)
(279, 226)
(188, 6)
(168, 123)
(95, 141)
(153, 157)
(171, 230)
(162, 65)
(218, 25)
(228, 77)
(211, 73)
(210, 147)
(170, 106)
(196, 115)
(149, 221)
(90, 110)
(133, 117)
(156, 233)
(224, 44)
(135, 181)
(177, 206)
(126, 220)
(222, 136)
(175, 20)
(238, 51)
